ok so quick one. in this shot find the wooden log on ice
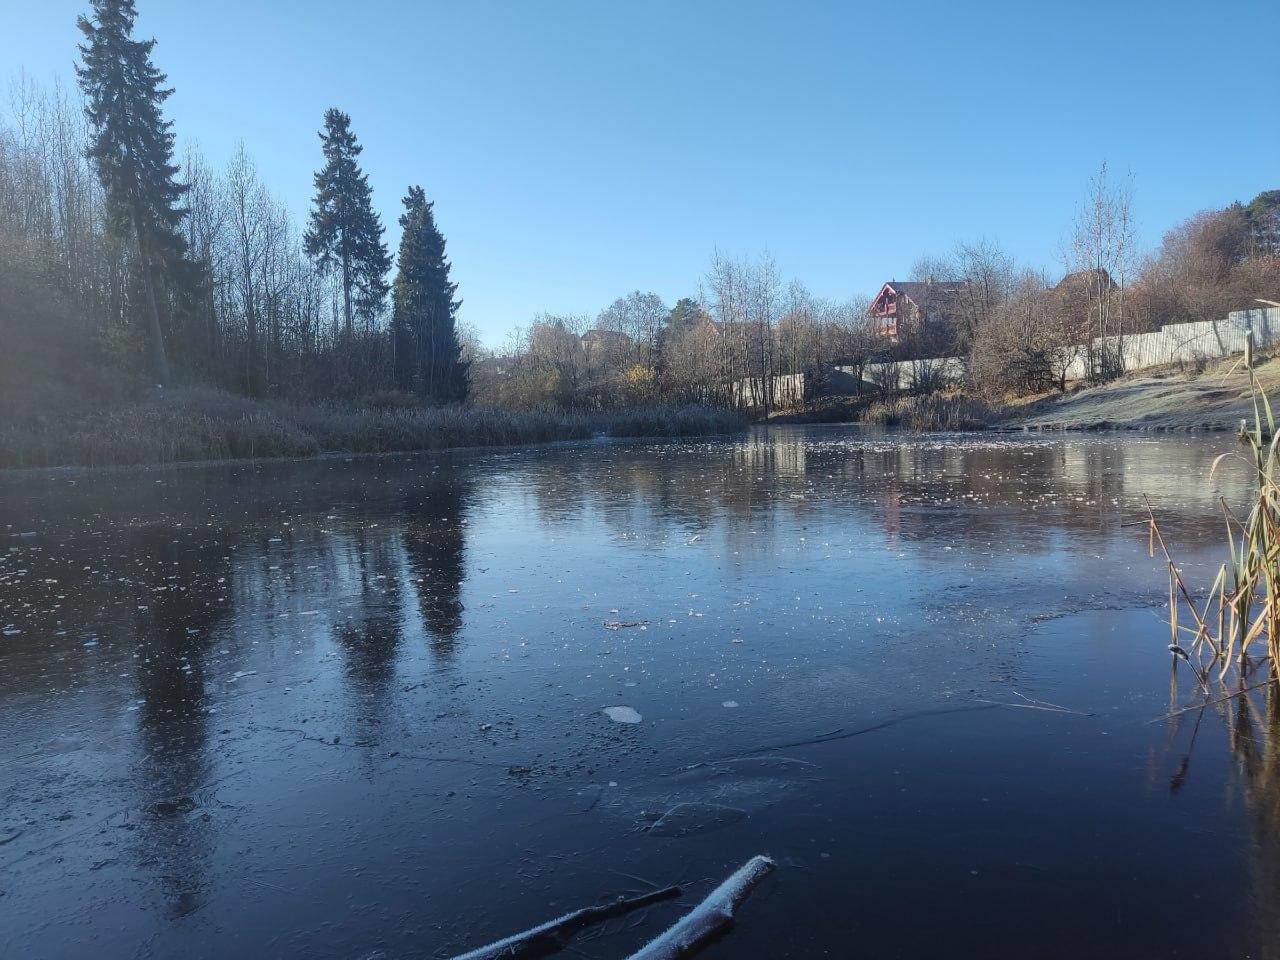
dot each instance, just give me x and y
(551, 936)
(709, 917)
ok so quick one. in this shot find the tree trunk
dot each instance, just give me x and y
(159, 361)
(347, 322)
(252, 362)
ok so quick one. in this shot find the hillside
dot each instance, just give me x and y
(1216, 399)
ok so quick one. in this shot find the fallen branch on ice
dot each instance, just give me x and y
(551, 936)
(1052, 708)
(709, 917)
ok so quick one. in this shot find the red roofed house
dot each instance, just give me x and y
(917, 305)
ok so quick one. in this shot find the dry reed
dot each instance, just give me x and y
(1236, 624)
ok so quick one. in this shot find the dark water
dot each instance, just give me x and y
(330, 708)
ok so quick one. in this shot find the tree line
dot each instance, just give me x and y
(1015, 329)
(1024, 329)
(168, 271)
(745, 324)
(176, 273)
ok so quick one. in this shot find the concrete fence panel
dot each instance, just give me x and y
(1174, 343)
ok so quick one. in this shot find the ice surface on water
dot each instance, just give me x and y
(395, 688)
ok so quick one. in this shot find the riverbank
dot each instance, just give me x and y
(1216, 399)
(1169, 399)
(944, 410)
(203, 424)
(195, 424)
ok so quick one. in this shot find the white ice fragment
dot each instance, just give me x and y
(730, 704)
(622, 714)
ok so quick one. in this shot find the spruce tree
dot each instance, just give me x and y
(424, 312)
(132, 150)
(684, 315)
(344, 233)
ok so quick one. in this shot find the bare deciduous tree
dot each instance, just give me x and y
(1102, 256)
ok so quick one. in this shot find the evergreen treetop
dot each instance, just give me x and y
(344, 233)
(132, 143)
(424, 308)
(131, 147)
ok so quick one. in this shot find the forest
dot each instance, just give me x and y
(148, 287)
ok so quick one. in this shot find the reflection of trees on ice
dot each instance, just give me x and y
(1255, 739)
(173, 629)
(435, 544)
(744, 500)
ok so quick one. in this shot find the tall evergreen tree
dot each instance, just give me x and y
(344, 233)
(132, 150)
(424, 312)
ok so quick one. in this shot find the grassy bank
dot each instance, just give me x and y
(1169, 399)
(931, 411)
(202, 424)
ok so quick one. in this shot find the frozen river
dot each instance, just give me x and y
(412, 704)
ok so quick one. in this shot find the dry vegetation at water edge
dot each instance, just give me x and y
(1241, 610)
(932, 411)
(206, 424)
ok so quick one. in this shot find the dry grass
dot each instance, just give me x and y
(668, 421)
(930, 411)
(206, 424)
(1236, 626)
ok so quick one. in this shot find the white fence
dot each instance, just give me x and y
(1174, 343)
(754, 393)
(911, 375)
(1191, 343)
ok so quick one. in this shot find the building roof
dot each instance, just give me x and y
(925, 291)
(1084, 279)
(934, 296)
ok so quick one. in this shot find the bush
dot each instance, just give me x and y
(930, 411)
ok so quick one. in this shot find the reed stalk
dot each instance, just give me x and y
(1236, 624)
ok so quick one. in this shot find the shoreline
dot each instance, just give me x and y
(193, 421)
(202, 425)
(1163, 400)
(1169, 400)
(599, 439)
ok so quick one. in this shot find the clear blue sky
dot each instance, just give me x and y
(577, 151)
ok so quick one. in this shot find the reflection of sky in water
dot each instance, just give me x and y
(381, 681)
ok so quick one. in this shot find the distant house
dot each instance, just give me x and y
(919, 305)
(1086, 282)
(1076, 299)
